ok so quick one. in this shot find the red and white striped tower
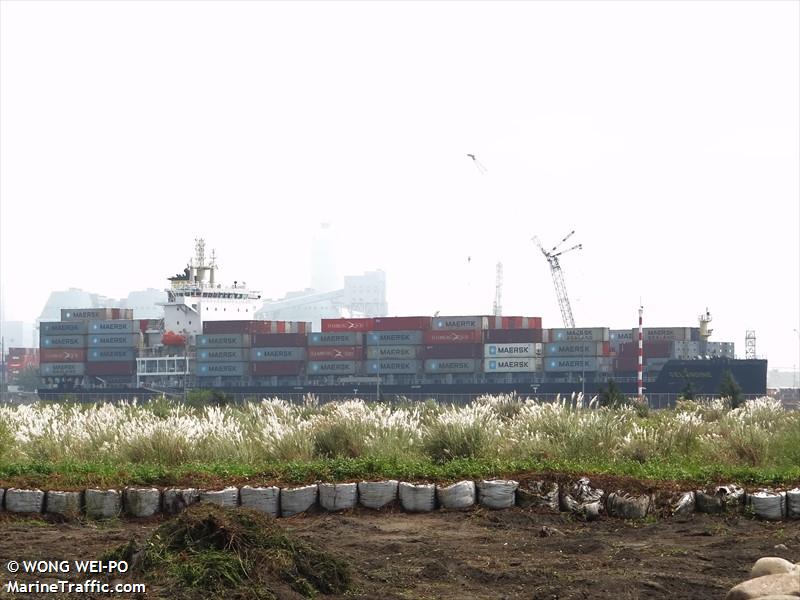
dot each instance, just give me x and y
(639, 378)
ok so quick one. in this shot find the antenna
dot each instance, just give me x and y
(498, 290)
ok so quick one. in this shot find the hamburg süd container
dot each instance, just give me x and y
(62, 341)
(384, 352)
(402, 323)
(528, 349)
(221, 354)
(113, 326)
(62, 328)
(453, 351)
(335, 353)
(222, 369)
(459, 323)
(332, 367)
(584, 334)
(96, 369)
(111, 355)
(59, 369)
(269, 368)
(394, 338)
(577, 349)
(277, 353)
(519, 364)
(393, 366)
(62, 355)
(223, 340)
(335, 339)
(471, 336)
(348, 325)
(278, 340)
(512, 336)
(113, 340)
(452, 365)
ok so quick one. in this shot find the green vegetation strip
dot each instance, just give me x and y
(78, 476)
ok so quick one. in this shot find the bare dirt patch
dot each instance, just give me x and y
(512, 553)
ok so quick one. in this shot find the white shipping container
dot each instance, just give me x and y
(223, 340)
(113, 340)
(62, 341)
(452, 365)
(529, 349)
(512, 365)
(394, 366)
(586, 334)
(62, 328)
(111, 355)
(576, 364)
(621, 336)
(575, 349)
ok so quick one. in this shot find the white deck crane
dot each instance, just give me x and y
(558, 277)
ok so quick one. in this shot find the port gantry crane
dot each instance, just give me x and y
(558, 277)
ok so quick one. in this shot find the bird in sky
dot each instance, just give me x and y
(477, 163)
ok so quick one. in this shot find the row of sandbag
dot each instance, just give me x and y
(146, 502)
(580, 498)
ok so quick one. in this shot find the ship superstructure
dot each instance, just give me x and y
(194, 297)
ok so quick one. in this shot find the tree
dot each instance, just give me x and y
(611, 397)
(28, 379)
(688, 392)
(729, 388)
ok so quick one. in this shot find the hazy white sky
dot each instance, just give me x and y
(667, 134)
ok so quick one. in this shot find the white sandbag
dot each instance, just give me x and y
(338, 496)
(625, 506)
(67, 504)
(142, 502)
(581, 492)
(417, 497)
(228, 497)
(590, 511)
(297, 500)
(457, 496)
(732, 495)
(538, 494)
(684, 505)
(377, 494)
(24, 501)
(103, 504)
(767, 505)
(497, 493)
(177, 499)
(264, 499)
(792, 503)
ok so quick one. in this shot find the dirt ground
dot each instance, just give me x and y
(475, 554)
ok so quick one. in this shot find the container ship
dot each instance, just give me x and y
(209, 338)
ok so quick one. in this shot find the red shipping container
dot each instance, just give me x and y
(346, 325)
(453, 337)
(512, 336)
(649, 349)
(280, 367)
(110, 368)
(402, 323)
(454, 351)
(62, 356)
(278, 340)
(335, 353)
